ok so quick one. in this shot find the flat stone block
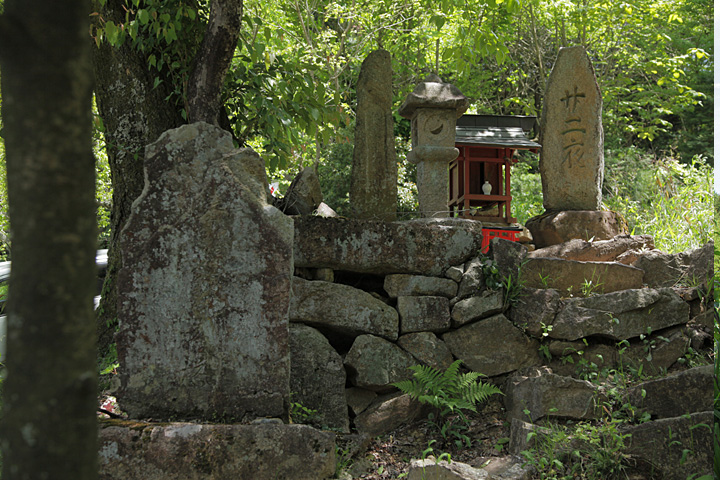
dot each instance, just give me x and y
(570, 277)
(423, 247)
(423, 314)
(181, 451)
(552, 228)
(401, 284)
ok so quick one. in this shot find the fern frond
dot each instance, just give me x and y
(479, 392)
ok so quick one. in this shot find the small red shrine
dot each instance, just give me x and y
(480, 176)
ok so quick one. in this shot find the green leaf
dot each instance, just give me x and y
(143, 16)
(112, 33)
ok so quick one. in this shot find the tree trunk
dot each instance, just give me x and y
(49, 426)
(134, 114)
(213, 61)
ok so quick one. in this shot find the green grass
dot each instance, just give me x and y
(664, 198)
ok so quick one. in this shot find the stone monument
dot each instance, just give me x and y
(204, 289)
(572, 157)
(373, 184)
(571, 133)
(433, 108)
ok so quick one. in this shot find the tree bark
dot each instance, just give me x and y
(134, 114)
(49, 427)
(213, 60)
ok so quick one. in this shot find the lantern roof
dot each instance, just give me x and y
(506, 131)
(434, 93)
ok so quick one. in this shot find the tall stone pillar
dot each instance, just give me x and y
(571, 133)
(433, 109)
(373, 184)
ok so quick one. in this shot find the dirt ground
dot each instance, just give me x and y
(389, 456)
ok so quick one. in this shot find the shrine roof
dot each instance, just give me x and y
(496, 131)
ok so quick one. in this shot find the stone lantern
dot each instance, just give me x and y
(433, 109)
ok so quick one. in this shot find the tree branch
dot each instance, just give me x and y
(212, 61)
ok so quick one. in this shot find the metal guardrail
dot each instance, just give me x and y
(101, 262)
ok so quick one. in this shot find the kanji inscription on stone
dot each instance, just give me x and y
(572, 161)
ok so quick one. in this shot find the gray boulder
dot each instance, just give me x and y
(304, 195)
(552, 228)
(509, 257)
(387, 413)
(423, 314)
(620, 315)
(658, 351)
(180, 451)
(407, 285)
(472, 281)
(341, 308)
(477, 307)
(676, 447)
(693, 267)
(492, 346)
(690, 391)
(431, 469)
(317, 378)
(381, 248)
(374, 363)
(358, 399)
(534, 308)
(427, 349)
(545, 394)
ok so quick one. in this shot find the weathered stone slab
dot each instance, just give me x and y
(620, 315)
(600, 251)
(572, 277)
(678, 394)
(381, 248)
(520, 439)
(373, 183)
(432, 469)
(693, 267)
(180, 451)
(676, 446)
(423, 314)
(658, 351)
(427, 349)
(204, 290)
(455, 273)
(342, 308)
(492, 346)
(402, 284)
(358, 399)
(559, 227)
(573, 359)
(508, 256)
(387, 413)
(477, 307)
(571, 133)
(374, 363)
(545, 394)
(304, 195)
(534, 308)
(317, 378)
(472, 281)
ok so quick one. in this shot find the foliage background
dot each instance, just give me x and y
(290, 90)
